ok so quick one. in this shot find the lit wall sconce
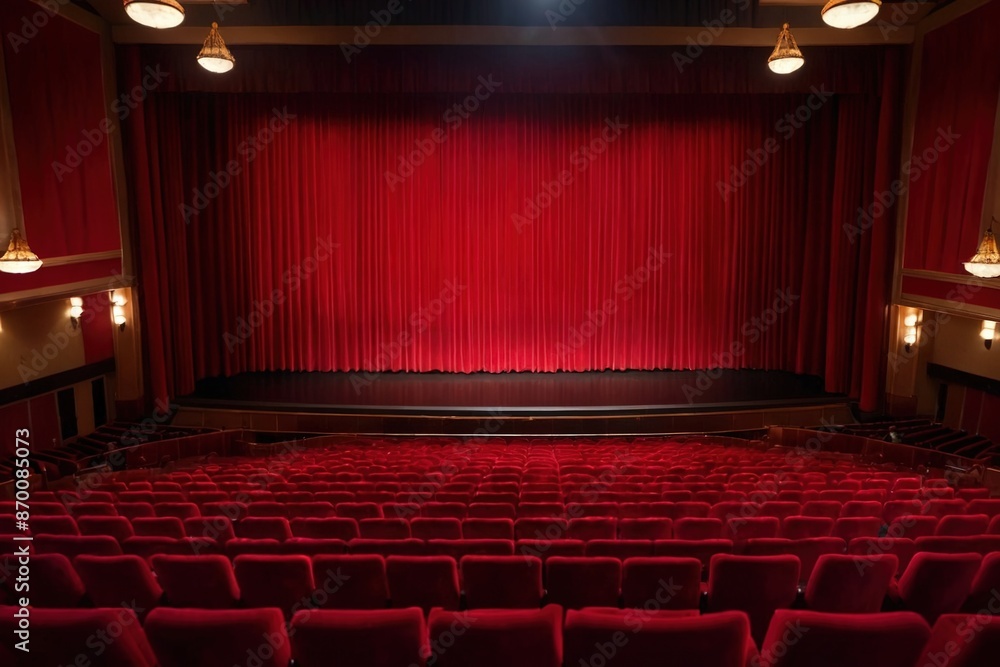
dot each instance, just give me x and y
(75, 311)
(118, 302)
(988, 332)
(910, 333)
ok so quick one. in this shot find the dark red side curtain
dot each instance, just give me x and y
(390, 232)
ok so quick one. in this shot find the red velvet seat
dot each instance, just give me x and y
(502, 582)
(117, 527)
(740, 530)
(862, 509)
(264, 528)
(716, 640)
(180, 511)
(798, 638)
(204, 582)
(62, 636)
(60, 525)
(620, 549)
(963, 640)
(359, 638)
(110, 580)
(988, 506)
(756, 585)
(829, 509)
(423, 581)
(492, 511)
(575, 582)
(903, 549)
(73, 545)
(359, 511)
(592, 528)
(249, 546)
(703, 550)
(134, 510)
(546, 549)
(780, 509)
(538, 528)
(912, 526)
(985, 591)
(442, 528)
(942, 507)
(333, 528)
(285, 582)
(50, 578)
(392, 547)
(661, 583)
(307, 546)
(351, 581)
(850, 584)
(488, 529)
(801, 527)
(693, 528)
(853, 527)
(935, 584)
(963, 525)
(217, 528)
(384, 529)
(445, 510)
(210, 638)
(496, 638)
(171, 527)
(645, 529)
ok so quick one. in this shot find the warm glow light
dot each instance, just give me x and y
(849, 14)
(19, 258)
(215, 56)
(155, 13)
(986, 262)
(989, 330)
(119, 316)
(75, 307)
(910, 320)
(911, 336)
(786, 57)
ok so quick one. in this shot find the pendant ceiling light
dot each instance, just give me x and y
(986, 262)
(786, 57)
(19, 258)
(215, 56)
(849, 14)
(155, 13)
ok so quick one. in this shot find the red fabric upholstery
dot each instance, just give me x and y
(935, 584)
(488, 529)
(334, 528)
(963, 526)
(620, 548)
(423, 581)
(181, 510)
(703, 550)
(52, 581)
(264, 528)
(575, 582)
(201, 638)
(757, 585)
(117, 527)
(592, 528)
(459, 548)
(985, 591)
(545, 549)
(205, 582)
(171, 527)
(661, 583)
(359, 638)
(57, 525)
(442, 528)
(903, 549)
(912, 526)
(964, 640)
(285, 582)
(72, 546)
(850, 584)
(502, 582)
(384, 529)
(635, 639)
(751, 528)
(815, 639)
(851, 528)
(538, 528)
(807, 550)
(497, 637)
(351, 581)
(61, 636)
(645, 529)
(693, 528)
(218, 528)
(110, 580)
(801, 527)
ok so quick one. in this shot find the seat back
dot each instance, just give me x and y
(661, 582)
(375, 637)
(850, 584)
(574, 582)
(111, 579)
(285, 582)
(936, 583)
(208, 638)
(204, 582)
(423, 581)
(757, 585)
(497, 637)
(502, 582)
(351, 581)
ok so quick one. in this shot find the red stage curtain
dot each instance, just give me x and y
(639, 259)
(952, 142)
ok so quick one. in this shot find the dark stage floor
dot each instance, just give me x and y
(620, 392)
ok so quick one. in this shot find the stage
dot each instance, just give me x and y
(512, 403)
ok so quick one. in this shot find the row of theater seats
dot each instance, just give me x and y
(221, 529)
(931, 584)
(499, 638)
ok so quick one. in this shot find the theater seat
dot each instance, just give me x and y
(62, 636)
(351, 581)
(802, 527)
(496, 638)
(384, 529)
(264, 528)
(692, 528)
(285, 582)
(390, 637)
(502, 582)
(162, 526)
(620, 549)
(798, 638)
(60, 525)
(423, 581)
(109, 580)
(575, 582)
(331, 528)
(935, 584)
(592, 528)
(985, 592)
(645, 529)
(715, 640)
(850, 584)
(74, 545)
(117, 527)
(965, 525)
(204, 582)
(756, 585)
(488, 529)
(436, 528)
(661, 583)
(963, 640)
(210, 638)
(52, 581)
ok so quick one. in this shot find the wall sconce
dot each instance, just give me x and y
(987, 333)
(117, 302)
(910, 334)
(75, 311)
